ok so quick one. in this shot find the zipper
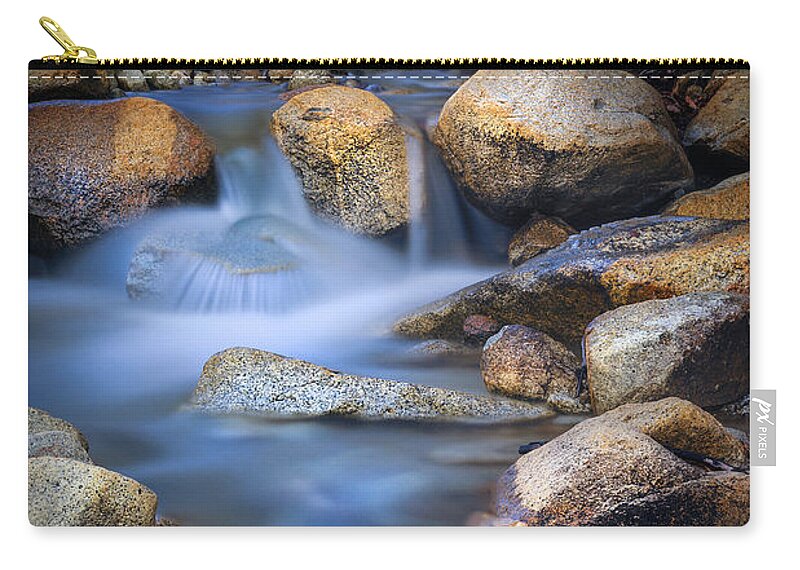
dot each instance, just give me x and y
(84, 57)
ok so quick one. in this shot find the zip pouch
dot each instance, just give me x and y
(382, 292)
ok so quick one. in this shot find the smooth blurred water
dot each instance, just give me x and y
(122, 370)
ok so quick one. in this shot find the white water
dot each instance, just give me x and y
(122, 370)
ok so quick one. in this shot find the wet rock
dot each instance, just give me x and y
(560, 291)
(679, 424)
(585, 151)
(350, 153)
(718, 138)
(694, 346)
(302, 78)
(741, 407)
(132, 80)
(479, 328)
(48, 85)
(50, 436)
(246, 248)
(522, 362)
(607, 471)
(538, 235)
(728, 200)
(116, 161)
(66, 492)
(245, 380)
(438, 349)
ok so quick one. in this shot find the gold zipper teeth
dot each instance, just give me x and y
(420, 63)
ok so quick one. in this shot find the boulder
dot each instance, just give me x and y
(166, 79)
(587, 151)
(246, 380)
(66, 492)
(538, 235)
(694, 346)
(49, 436)
(438, 349)
(47, 85)
(132, 80)
(115, 161)
(679, 424)
(522, 362)
(302, 78)
(480, 328)
(350, 153)
(608, 471)
(247, 248)
(560, 291)
(718, 138)
(728, 200)
(279, 75)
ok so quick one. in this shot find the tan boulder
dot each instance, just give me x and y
(587, 151)
(728, 200)
(539, 234)
(114, 162)
(52, 84)
(350, 153)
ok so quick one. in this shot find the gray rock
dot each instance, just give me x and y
(132, 80)
(57, 444)
(607, 471)
(587, 151)
(40, 421)
(308, 77)
(522, 362)
(560, 291)
(65, 492)
(694, 346)
(245, 380)
(166, 79)
(246, 248)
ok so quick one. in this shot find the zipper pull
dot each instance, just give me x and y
(72, 52)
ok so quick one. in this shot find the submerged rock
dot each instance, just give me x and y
(728, 200)
(48, 85)
(522, 362)
(114, 162)
(719, 136)
(246, 380)
(350, 153)
(560, 291)
(617, 469)
(538, 235)
(694, 346)
(246, 248)
(438, 349)
(65, 492)
(587, 151)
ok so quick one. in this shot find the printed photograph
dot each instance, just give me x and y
(388, 297)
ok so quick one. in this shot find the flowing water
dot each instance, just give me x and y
(123, 370)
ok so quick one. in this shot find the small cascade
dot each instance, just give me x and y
(418, 246)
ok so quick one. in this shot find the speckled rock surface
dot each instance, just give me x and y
(679, 424)
(694, 346)
(245, 380)
(728, 200)
(444, 349)
(539, 234)
(40, 421)
(245, 248)
(350, 153)
(48, 85)
(539, 140)
(605, 471)
(114, 162)
(65, 492)
(307, 77)
(560, 291)
(522, 362)
(721, 130)
(132, 80)
(57, 444)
